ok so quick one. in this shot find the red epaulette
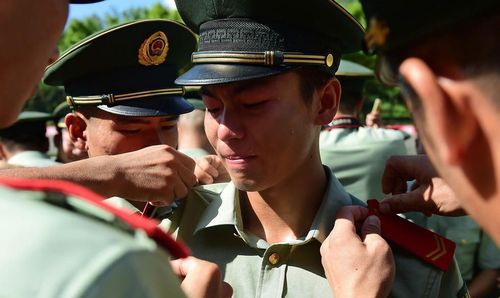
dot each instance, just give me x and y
(425, 244)
(150, 226)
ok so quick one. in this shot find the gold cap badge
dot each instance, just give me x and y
(376, 35)
(153, 50)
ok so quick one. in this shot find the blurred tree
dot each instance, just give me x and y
(393, 106)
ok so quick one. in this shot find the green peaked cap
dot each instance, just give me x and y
(352, 76)
(127, 70)
(248, 39)
(28, 123)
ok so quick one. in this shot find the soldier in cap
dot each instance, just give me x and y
(356, 153)
(125, 100)
(443, 56)
(66, 244)
(25, 142)
(267, 74)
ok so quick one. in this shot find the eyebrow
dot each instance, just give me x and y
(134, 120)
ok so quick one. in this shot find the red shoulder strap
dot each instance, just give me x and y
(150, 226)
(432, 248)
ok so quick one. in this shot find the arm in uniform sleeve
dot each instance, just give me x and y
(132, 273)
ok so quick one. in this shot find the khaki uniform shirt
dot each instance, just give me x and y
(357, 157)
(194, 153)
(78, 251)
(212, 226)
(475, 250)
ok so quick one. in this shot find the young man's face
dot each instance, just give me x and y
(109, 134)
(30, 30)
(263, 129)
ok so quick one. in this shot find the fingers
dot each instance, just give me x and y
(205, 171)
(200, 278)
(227, 290)
(347, 218)
(209, 169)
(402, 168)
(181, 266)
(392, 181)
(370, 226)
(409, 202)
(186, 174)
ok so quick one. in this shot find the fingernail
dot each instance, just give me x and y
(373, 220)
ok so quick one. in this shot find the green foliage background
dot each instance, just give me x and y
(47, 97)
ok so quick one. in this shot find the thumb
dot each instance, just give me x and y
(370, 226)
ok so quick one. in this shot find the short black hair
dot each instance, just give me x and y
(469, 48)
(311, 78)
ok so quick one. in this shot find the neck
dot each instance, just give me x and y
(286, 211)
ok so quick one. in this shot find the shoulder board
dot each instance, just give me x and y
(428, 246)
(134, 221)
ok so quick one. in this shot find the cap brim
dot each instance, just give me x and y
(151, 107)
(209, 74)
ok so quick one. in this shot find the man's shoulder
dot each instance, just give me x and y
(362, 136)
(77, 244)
(415, 278)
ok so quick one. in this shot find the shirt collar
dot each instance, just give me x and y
(225, 210)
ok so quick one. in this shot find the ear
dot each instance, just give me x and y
(446, 110)
(77, 125)
(328, 101)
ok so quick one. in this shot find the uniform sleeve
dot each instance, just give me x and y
(489, 253)
(139, 273)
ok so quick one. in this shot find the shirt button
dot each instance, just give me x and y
(274, 258)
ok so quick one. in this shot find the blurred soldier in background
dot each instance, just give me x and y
(25, 142)
(356, 153)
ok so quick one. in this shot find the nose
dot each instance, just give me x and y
(230, 126)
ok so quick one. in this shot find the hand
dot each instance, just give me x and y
(209, 169)
(429, 195)
(158, 174)
(357, 265)
(373, 119)
(200, 278)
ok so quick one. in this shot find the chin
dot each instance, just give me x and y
(244, 183)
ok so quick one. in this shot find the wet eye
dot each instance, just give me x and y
(129, 131)
(168, 127)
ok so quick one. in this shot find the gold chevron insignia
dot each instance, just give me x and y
(439, 251)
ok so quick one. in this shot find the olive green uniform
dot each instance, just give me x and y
(78, 250)
(475, 250)
(212, 226)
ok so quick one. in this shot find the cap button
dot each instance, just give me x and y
(329, 60)
(274, 258)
